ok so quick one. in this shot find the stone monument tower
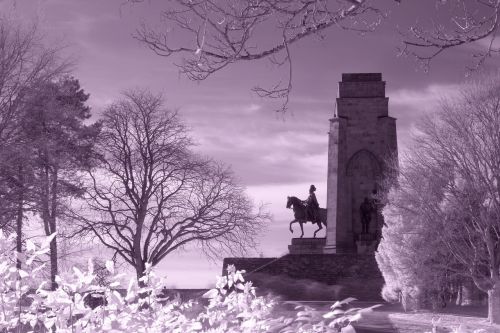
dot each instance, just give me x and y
(361, 135)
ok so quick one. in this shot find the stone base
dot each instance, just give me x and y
(325, 277)
(366, 244)
(330, 249)
(307, 245)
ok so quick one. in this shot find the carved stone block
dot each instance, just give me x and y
(307, 245)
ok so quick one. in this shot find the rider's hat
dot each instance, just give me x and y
(312, 188)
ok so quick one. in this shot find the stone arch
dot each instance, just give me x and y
(363, 172)
(365, 161)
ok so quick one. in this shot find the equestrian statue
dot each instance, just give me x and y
(307, 211)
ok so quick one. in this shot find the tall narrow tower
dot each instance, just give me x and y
(362, 135)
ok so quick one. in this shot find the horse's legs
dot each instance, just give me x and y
(301, 229)
(320, 227)
(291, 230)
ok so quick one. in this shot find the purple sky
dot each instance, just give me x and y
(273, 156)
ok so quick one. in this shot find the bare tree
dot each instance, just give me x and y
(211, 35)
(58, 145)
(151, 195)
(451, 182)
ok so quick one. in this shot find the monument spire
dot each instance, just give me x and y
(361, 135)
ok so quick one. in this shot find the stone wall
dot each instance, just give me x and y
(314, 276)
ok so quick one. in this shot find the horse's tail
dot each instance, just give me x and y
(323, 215)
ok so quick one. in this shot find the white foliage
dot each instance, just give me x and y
(233, 304)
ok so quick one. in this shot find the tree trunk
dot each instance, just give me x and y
(139, 270)
(494, 304)
(20, 215)
(140, 266)
(53, 229)
(459, 294)
(19, 228)
(49, 212)
(53, 264)
(467, 293)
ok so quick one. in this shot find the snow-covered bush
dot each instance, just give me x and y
(232, 305)
(18, 302)
(411, 258)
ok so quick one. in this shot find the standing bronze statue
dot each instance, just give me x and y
(366, 209)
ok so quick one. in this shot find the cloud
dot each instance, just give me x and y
(260, 148)
(264, 150)
(409, 104)
(426, 98)
(252, 109)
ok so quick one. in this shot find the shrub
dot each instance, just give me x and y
(233, 305)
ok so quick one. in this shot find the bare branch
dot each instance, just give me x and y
(221, 33)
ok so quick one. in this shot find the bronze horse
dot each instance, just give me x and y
(299, 212)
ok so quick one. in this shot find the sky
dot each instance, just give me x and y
(273, 156)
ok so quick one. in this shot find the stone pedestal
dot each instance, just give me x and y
(307, 245)
(366, 243)
(314, 277)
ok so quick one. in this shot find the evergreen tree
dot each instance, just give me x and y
(59, 146)
(24, 63)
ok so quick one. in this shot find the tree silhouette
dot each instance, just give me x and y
(151, 195)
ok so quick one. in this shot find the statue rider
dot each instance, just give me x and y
(312, 205)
